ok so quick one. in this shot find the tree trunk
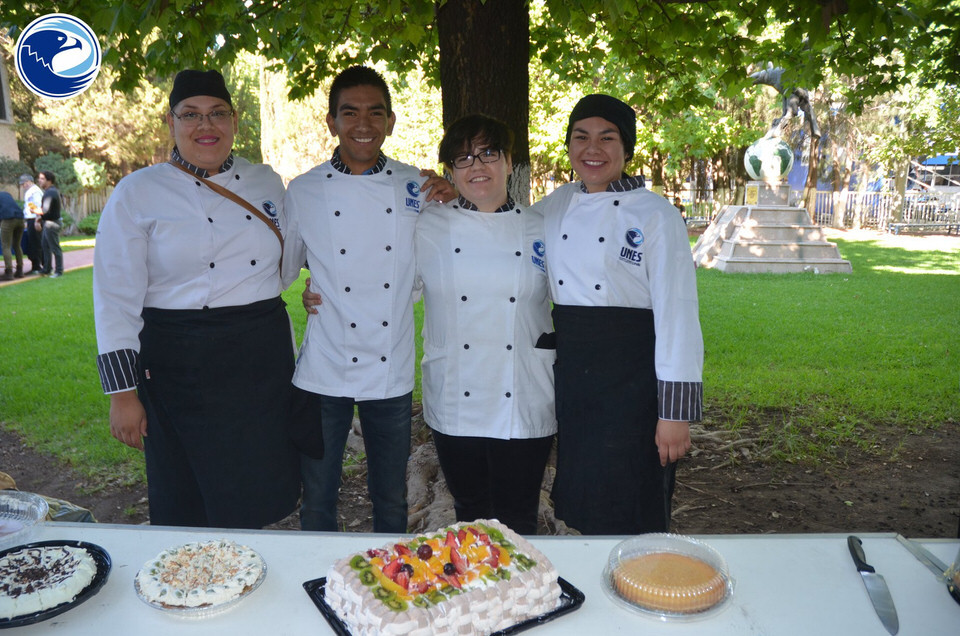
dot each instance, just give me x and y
(900, 185)
(839, 215)
(484, 52)
(810, 188)
(656, 172)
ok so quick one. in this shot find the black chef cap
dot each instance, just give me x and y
(611, 109)
(191, 83)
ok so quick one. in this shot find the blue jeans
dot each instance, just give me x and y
(385, 425)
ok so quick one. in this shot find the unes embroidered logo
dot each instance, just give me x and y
(631, 251)
(413, 199)
(539, 249)
(58, 56)
(271, 210)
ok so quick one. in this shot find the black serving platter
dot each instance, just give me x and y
(570, 599)
(100, 557)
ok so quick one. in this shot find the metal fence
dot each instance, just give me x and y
(880, 209)
(860, 209)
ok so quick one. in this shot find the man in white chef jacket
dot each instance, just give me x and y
(352, 220)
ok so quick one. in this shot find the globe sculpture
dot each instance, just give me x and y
(768, 159)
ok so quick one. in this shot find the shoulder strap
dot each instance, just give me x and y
(236, 198)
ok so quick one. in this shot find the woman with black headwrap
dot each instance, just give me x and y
(195, 344)
(629, 348)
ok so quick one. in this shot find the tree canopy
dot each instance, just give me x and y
(680, 63)
(878, 41)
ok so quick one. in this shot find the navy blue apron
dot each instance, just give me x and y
(215, 384)
(609, 479)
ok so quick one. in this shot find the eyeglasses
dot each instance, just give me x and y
(216, 118)
(487, 155)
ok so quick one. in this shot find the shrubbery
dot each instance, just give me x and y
(88, 224)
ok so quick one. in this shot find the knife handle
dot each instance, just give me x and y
(859, 558)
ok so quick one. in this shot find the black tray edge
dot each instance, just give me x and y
(571, 599)
(104, 565)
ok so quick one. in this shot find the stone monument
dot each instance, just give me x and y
(766, 234)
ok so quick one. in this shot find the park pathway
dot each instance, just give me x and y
(72, 260)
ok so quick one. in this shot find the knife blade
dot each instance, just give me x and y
(933, 564)
(876, 587)
(924, 556)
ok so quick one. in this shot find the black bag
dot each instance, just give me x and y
(304, 423)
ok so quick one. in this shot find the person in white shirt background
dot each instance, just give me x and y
(487, 387)
(32, 200)
(195, 344)
(629, 346)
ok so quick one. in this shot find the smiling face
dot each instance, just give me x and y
(361, 123)
(205, 145)
(596, 152)
(483, 184)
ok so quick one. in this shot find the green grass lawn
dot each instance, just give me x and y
(70, 243)
(806, 362)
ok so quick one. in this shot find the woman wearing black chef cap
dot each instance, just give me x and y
(629, 347)
(194, 341)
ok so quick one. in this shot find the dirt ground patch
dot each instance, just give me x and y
(908, 484)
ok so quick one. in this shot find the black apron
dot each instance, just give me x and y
(215, 384)
(609, 479)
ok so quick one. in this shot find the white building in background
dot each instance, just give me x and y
(8, 137)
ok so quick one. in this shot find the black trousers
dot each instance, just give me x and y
(34, 250)
(495, 478)
(215, 384)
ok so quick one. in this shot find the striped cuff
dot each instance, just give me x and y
(118, 370)
(681, 401)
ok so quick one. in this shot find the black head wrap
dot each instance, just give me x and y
(611, 109)
(191, 83)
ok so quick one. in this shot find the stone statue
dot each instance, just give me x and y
(795, 101)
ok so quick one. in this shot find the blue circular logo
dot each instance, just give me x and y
(413, 188)
(634, 238)
(539, 248)
(58, 56)
(270, 208)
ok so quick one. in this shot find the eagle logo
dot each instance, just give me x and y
(634, 237)
(58, 56)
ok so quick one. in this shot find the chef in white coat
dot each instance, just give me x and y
(487, 387)
(629, 346)
(352, 221)
(194, 342)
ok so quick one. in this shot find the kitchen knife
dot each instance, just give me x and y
(924, 556)
(933, 564)
(876, 587)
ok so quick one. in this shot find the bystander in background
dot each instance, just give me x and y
(11, 232)
(32, 200)
(49, 222)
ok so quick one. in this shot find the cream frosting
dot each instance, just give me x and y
(40, 578)
(199, 574)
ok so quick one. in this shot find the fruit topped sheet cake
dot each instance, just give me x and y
(468, 578)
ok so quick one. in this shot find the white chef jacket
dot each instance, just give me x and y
(167, 241)
(629, 249)
(486, 305)
(355, 233)
(32, 202)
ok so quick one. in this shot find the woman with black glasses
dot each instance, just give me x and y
(487, 384)
(195, 344)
